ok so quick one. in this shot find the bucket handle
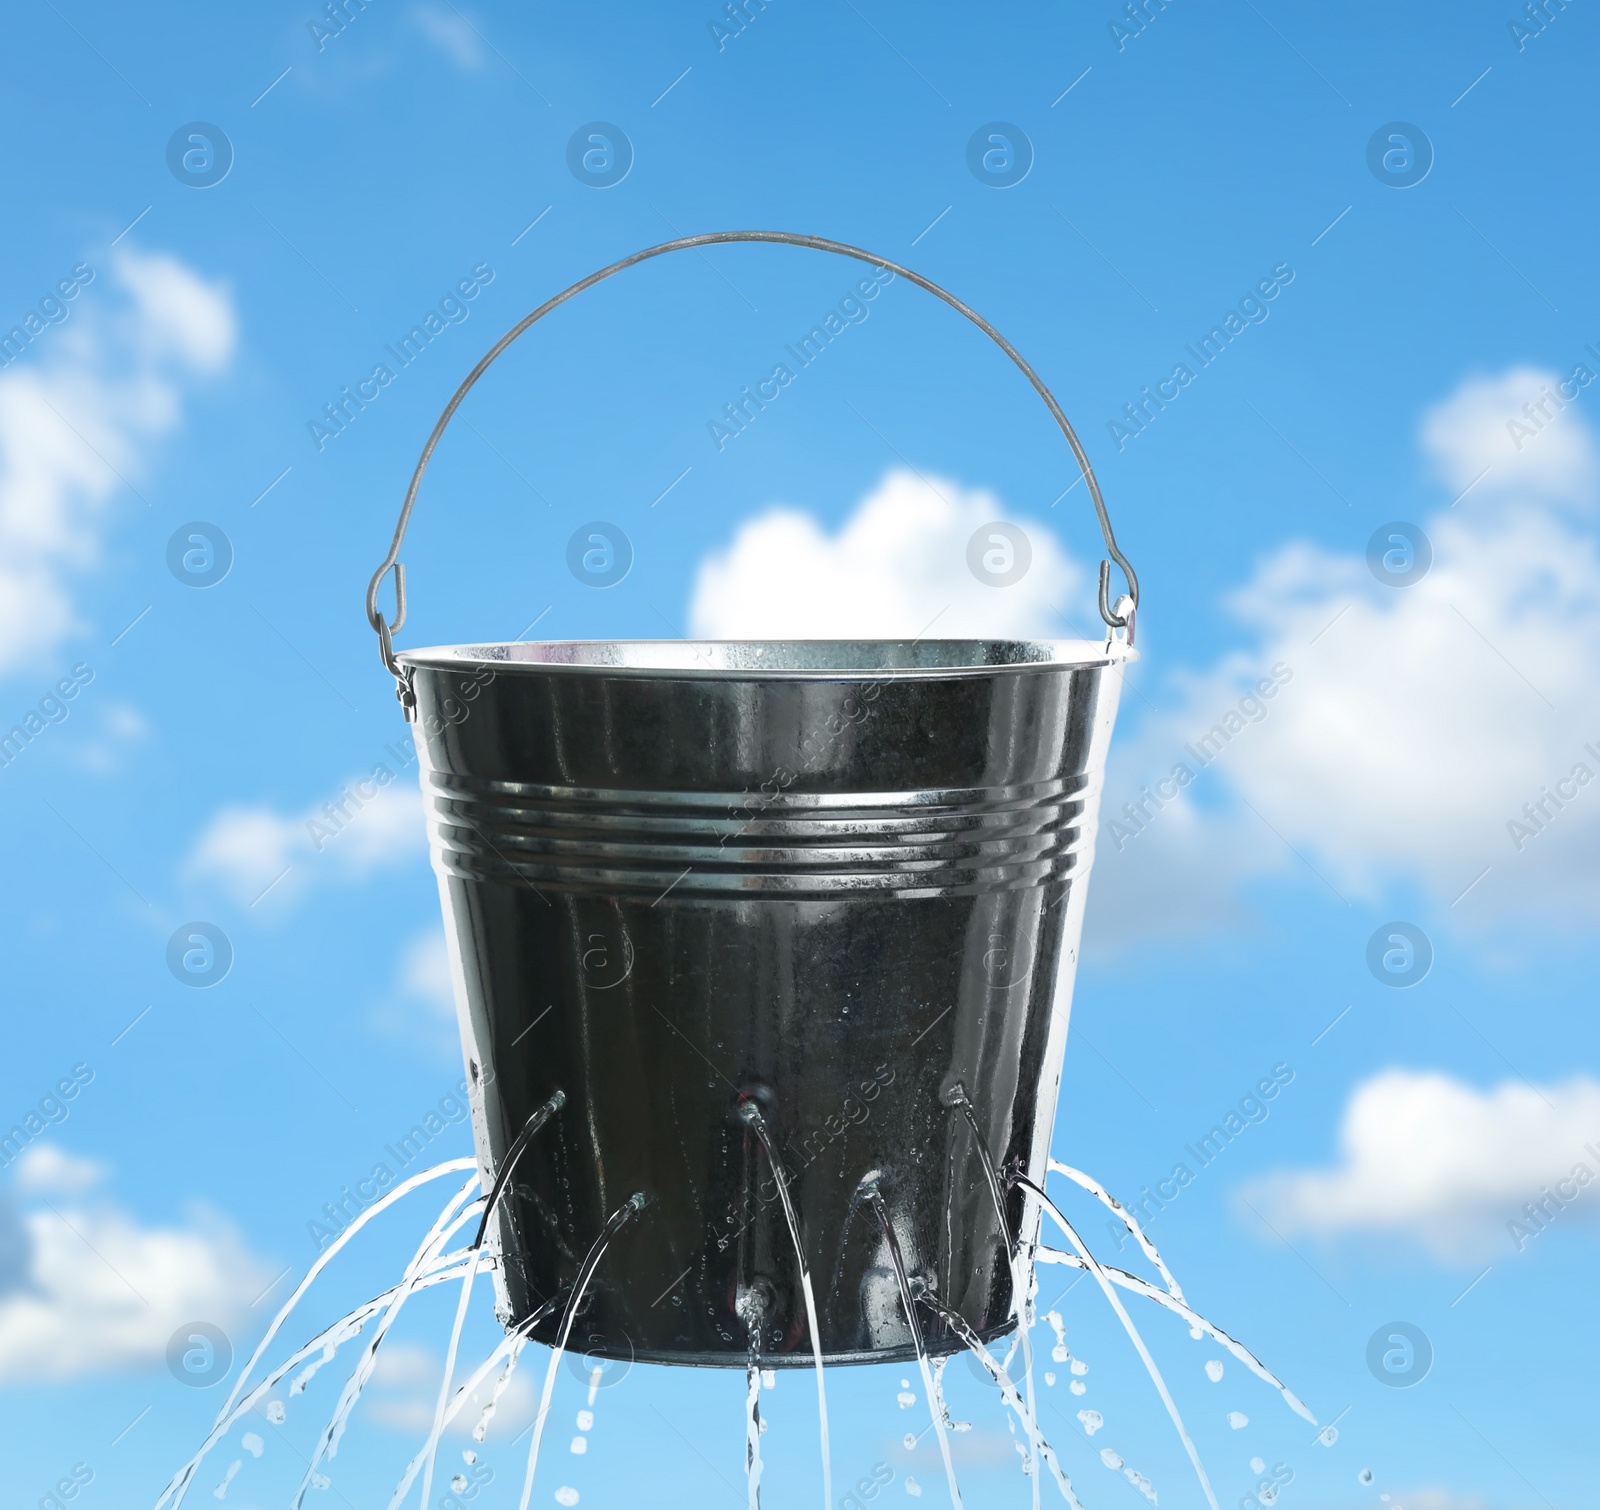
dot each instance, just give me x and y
(1118, 615)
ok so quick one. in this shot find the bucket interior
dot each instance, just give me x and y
(781, 658)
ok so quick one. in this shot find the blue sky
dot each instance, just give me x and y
(1408, 368)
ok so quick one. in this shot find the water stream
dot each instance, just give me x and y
(752, 1115)
(434, 1263)
(179, 1486)
(447, 1222)
(1019, 1278)
(935, 1400)
(1099, 1275)
(614, 1223)
(1024, 1412)
(753, 1313)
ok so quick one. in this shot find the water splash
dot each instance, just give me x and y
(1101, 1194)
(1100, 1278)
(875, 1197)
(1024, 1413)
(1019, 1272)
(1197, 1322)
(510, 1348)
(508, 1167)
(752, 1312)
(751, 1113)
(450, 1220)
(442, 1403)
(614, 1223)
(446, 1268)
(179, 1487)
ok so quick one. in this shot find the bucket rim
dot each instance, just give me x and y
(786, 660)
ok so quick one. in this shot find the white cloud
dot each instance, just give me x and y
(98, 1292)
(77, 416)
(47, 1169)
(452, 34)
(363, 828)
(421, 1005)
(1515, 431)
(897, 568)
(1414, 724)
(1424, 1155)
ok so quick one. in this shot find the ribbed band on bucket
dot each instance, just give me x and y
(706, 844)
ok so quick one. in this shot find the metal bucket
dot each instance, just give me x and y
(835, 879)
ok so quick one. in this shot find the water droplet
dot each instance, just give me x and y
(769, 1378)
(913, 1488)
(905, 1384)
(585, 1420)
(1049, 1378)
(1059, 1353)
(1196, 1333)
(580, 1445)
(1365, 1476)
(1238, 1420)
(1092, 1421)
(1258, 1465)
(276, 1413)
(252, 1444)
(468, 1455)
(1141, 1483)
(1079, 1367)
(906, 1399)
(1078, 1387)
(458, 1482)
(1328, 1435)
(910, 1440)
(1109, 1458)
(566, 1495)
(321, 1481)
(1268, 1494)
(1214, 1374)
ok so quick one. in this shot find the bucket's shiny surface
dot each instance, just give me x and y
(837, 877)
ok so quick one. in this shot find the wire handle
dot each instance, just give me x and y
(1118, 615)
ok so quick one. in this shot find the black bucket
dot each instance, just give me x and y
(819, 886)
